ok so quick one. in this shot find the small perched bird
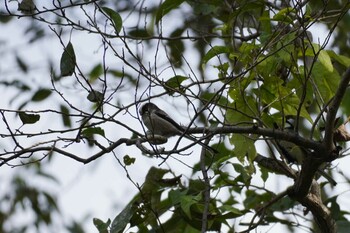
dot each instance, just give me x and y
(296, 154)
(158, 122)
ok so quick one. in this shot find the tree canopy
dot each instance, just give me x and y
(244, 77)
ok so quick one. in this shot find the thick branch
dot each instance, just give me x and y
(332, 110)
(255, 130)
(321, 213)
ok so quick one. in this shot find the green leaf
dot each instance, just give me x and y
(264, 174)
(323, 56)
(139, 33)
(266, 26)
(325, 60)
(22, 65)
(174, 83)
(231, 209)
(89, 132)
(122, 219)
(343, 226)
(284, 15)
(26, 7)
(244, 147)
(128, 160)
(95, 96)
(166, 7)
(345, 61)
(122, 74)
(28, 118)
(326, 82)
(186, 203)
(175, 196)
(65, 116)
(216, 98)
(101, 226)
(115, 18)
(17, 84)
(215, 51)
(41, 94)
(96, 72)
(245, 175)
(68, 61)
(177, 48)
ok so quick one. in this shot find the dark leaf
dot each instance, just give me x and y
(174, 83)
(128, 160)
(122, 74)
(177, 48)
(4, 18)
(29, 118)
(26, 7)
(166, 7)
(41, 94)
(65, 116)
(215, 51)
(101, 226)
(75, 227)
(96, 72)
(91, 131)
(95, 96)
(16, 83)
(122, 219)
(68, 61)
(22, 65)
(343, 226)
(139, 33)
(115, 18)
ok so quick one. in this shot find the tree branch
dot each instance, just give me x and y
(332, 111)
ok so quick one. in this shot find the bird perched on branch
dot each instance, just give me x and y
(160, 123)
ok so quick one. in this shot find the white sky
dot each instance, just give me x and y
(101, 187)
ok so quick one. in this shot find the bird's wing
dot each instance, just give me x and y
(165, 116)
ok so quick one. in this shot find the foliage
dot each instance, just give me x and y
(241, 71)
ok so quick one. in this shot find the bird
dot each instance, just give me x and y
(296, 154)
(160, 123)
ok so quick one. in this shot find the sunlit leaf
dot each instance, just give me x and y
(28, 118)
(115, 18)
(323, 56)
(326, 82)
(325, 60)
(345, 61)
